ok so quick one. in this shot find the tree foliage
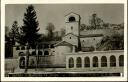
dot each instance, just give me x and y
(50, 28)
(11, 36)
(95, 22)
(30, 28)
(82, 27)
(14, 33)
(113, 42)
(7, 38)
(63, 32)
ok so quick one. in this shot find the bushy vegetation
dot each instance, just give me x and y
(114, 42)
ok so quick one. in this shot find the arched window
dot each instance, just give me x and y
(121, 60)
(39, 52)
(103, 61)
(22, 48)
(52, 46)
(17, 48)
(46, 46)
(71, 63)
(28, 47)
(46, 53)
(40, 47)
(22, 62)
(78, 62)
(33, 53)
(112, 61)
(95, 61)
(86, 62)
(33, 46)
(72, 19)
(32, 62)
(21, 54)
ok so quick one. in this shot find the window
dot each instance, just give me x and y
(46, 46)
(28, 47)
(71, 19)
(95, 61)
(121, 60)
(22, 62)
(22, 48)
(52, 46)
(40, 47)
(39, 52)
(21, 54)
(78, 62)
(70, 37)
(71, 28)
(71, 63)
(46, 53)
(33, 53)
(112, 61)
(17, 48)
(103, 61)
(33, 47)
(32, 62)
(86, 62)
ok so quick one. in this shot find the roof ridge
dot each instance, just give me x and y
(68, 34)
(62, 42)
(73, 13)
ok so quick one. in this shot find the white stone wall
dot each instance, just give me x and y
(32, 61)
(16, 52)
(43, 58)
(90, 41)
(98, 54)
(71, 39)
(74, 26)
(60, 57)
(11, 65)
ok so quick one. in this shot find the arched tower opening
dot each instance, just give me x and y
(72, 19)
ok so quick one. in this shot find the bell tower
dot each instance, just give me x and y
(72, 22)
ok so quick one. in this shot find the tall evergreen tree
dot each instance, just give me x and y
(30, 28)
(14, 32)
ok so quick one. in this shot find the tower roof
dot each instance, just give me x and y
(72, 13)
(69, 34)
(64, 43)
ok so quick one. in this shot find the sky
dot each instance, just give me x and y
(54, 13)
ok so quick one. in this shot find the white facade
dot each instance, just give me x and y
(90, 41)
(70, 38)
(72, 22)
(60, 57)
(107, 61)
